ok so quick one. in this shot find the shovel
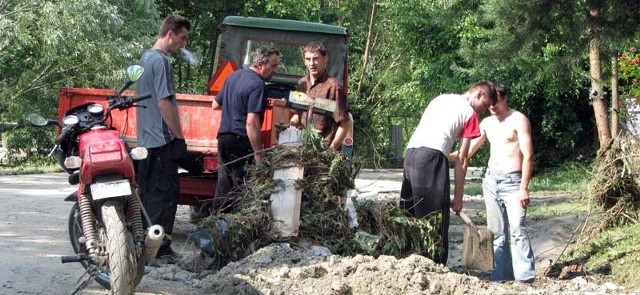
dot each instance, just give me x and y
(477, 250)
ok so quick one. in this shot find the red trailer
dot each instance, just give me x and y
(237, 38)
(199, 124)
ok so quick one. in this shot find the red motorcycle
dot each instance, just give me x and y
(106, 222)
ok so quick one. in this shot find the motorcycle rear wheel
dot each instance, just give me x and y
(119, 244)
(75, 234)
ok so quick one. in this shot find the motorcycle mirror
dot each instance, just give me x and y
(39, 120)
(134, 72)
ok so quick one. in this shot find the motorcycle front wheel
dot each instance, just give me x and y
(75, 235)
(119, 244)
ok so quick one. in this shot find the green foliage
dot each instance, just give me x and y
(417, 50)
(412, 59)
(28, 145)
(568, 177)
(561, 206)
(629, 63)
(471, 188)
(48, 44)
(543, 66)
(613, 252)
(615, 185)
(385, 229)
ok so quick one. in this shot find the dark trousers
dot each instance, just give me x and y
(231, 170)
(159, 186)
(425, 189)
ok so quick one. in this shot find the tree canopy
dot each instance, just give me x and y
(402, 54)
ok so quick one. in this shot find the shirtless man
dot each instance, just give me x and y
(505, 188)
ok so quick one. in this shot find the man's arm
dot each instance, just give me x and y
(461, 162)
(170, 116)
(254, 124)
(526, 148)
(477, 142)
(341, 133)
(475, 145)
(215, 105)
(295, 118)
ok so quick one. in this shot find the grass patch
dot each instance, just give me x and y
(30, 169)
(472, 188)
(546, 210)
(564, 206)
(569, 177)
(613, 253)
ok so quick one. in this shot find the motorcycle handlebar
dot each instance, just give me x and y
(139, 98)
(64, 133)
(128, 102)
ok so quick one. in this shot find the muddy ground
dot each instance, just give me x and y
(33, 236)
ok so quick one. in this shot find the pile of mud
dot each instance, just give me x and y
(286, 269)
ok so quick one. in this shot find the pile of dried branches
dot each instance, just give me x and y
(615, 186)
(384, 227)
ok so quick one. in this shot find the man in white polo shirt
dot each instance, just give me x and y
(425, 186)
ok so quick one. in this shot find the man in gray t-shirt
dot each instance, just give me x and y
(160, 132)
(153, 130)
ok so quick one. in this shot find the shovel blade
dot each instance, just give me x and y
(477, 251)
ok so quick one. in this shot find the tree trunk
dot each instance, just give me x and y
(366, 48)
(615, 100)
(599, 107)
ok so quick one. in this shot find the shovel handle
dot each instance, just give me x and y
(467, 220)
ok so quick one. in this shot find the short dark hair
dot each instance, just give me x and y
(316, 47)
(173, 23)
(488, 87)
(263, 54)
(502, 91)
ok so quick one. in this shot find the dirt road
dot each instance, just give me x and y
(33, 235)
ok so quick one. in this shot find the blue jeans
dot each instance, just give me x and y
(513, 256)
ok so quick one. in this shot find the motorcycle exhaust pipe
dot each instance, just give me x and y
(153, 241)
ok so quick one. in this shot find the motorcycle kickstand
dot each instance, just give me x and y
(90, 273)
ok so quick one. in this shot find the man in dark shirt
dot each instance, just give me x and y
(243, 99)
(320, 84)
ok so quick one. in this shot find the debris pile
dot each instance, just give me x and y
(383, 227)
(615, 187)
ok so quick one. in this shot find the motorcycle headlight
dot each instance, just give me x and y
(72, 162)
(95, 109)
(139, 153)
(70, 120)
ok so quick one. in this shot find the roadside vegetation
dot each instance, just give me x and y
(570, 178)
(614, 253)
(574, 80)
(27, 169)
(29, 166)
